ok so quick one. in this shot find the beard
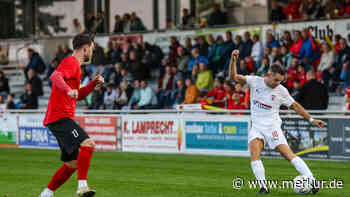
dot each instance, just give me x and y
(87, 58)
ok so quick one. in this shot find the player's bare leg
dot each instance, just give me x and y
(83, 165)
(59, 178)
(297, 162)
(255, 148)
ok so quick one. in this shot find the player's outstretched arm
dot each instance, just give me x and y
(85, 91)
(301, 111)
(233, 69)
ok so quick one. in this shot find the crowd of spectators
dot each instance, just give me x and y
(308, 9)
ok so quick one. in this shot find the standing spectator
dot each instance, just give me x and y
(205, 78)
(182, 60)
(311, 9)
(203, 46)
(98, 57)
(188, 45)
(270, 41)
(4, 84)
(306, 50)
(217, 62)
(192, 92)
(196, 59)
(294, 91)
(148, 98)
(109, 97)
(174, 44)
(35, 81)
(239, 44)
(126, 23)
(327, 61)
(137, 69)
(297, 44)
(287, 40)
(29, 100)
(313, 94)
(118, 25)
(276, 14)
(178, 94)
(217, 17)
(136, 23)
(186, 18)
(177, 75)
(35, 62)
(264, 66)
(97, 98)
(90, 22)
(4, 60)
(257, 50)
(77, 27)
(247, 45)
(100, 23)
(10, 101)
(125, 62)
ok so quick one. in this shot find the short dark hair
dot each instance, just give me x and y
(82, 39)
(276, 69)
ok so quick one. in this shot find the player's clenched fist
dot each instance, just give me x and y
(99, 80)
(73, 93)
(235, 55)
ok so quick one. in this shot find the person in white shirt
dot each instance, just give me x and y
(257, 50)
(266, 96)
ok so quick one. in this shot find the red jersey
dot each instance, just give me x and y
(347, 91)
(218, 94)
(60, 104)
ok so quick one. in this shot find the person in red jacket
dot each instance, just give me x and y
(292, 10)
(218, 93)
(76, 146)
(301, 74)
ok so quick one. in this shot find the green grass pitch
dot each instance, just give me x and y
(25, 172)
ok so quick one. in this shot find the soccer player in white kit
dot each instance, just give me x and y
(266, 96)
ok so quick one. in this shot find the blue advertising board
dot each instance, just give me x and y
(216, 135)
(40, 137)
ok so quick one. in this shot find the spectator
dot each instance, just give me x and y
(337, 38)
(229, 46)
(313, 95)
(67, 51)
(126, 23)
(287, 40)
(178, 94)
(97, 98)
(345, 74)
(98, 57)
(218, 93)
(234, 102)
(135, 97)
(115, 77)
(174, 44)
(203, 46)
(60, 53)
(113, 53)
(195, 72)
(170, 24)
(90, 22)
(124, 96)
(264, 66)
(35, 62)
(51, 69)
(125, 62)
(301, 74)
(178, 75)
(148, 98)
(187, 19)
(294, 91)
(205, 79)
(292, 72)
(217, 17)
(136, 24)
(35, 81)
(239, 44)
(165, 84)
(2, 103)
(109, 97)
(332, 7)
(297, 44)
(10, 101)
(247, 45)
(257, 49)
(270, 41)
(4, 84)
(118, 25)
(267, 53)
(211, 42)
(342, 58)
(29, 100)
(215, 56)
(292, 10)
(126, 76)
(286, 57)
(182, 60)
(275, 54)
(327, 61)
(192, 92)
(196, 59)
(239, 90)
(3, 56)
(311, 9)
(188, 45)
(77, 27)
(276, 14)
(243, 68)
(306, 50)
(137, 69)
(100, 23)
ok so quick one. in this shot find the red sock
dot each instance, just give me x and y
(60, 177)
(83, 162)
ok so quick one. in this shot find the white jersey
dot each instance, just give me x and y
(265, 102)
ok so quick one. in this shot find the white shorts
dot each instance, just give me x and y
(273, 136)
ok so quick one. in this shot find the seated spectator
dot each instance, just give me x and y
(345, 8)
(286, 57)
(188, 44)
(276, 13)
(270, 41)
(35, 81)
(35, 62)
(192, 94)
(4, 84)
(313, 95)
(109, 97)
(257, 50)
(342, 59)
(182, 60)
(228, 87)
(178, 75)
(124, 95)
(11, 101)
(3, 56)
(292, 72)
(216, 53)
(115, 76)
(301, 74)
(238, 89)
(51, 69)
(137, 68)
(264, 66)
(148, 98)
(125, 62)
(165, 84)
(275, 54)
(205, 78)
(178, 94)
(196, 59)
(243, 68)
(311, 9)
(239, 44)
(97, 97)
(294, 91)
(135, 97)
(345, 74)
(202, 46)
(100, 23)
(292, 10)
(113, 53)
(118, 25)
(29, 100)
(136, 24)
(267, 53)
(195, 72)
(327, 61)
(234, 102)
(287, 40)
(174, 44)
(217, 94)
(126, 76)
(211, 42)
(216, 17)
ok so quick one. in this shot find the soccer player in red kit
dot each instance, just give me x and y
(76, 146)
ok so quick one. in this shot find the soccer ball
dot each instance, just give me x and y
(302, 184)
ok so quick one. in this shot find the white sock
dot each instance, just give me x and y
(46, 193)
(82, 183)
(301, 167)
(259, 172)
